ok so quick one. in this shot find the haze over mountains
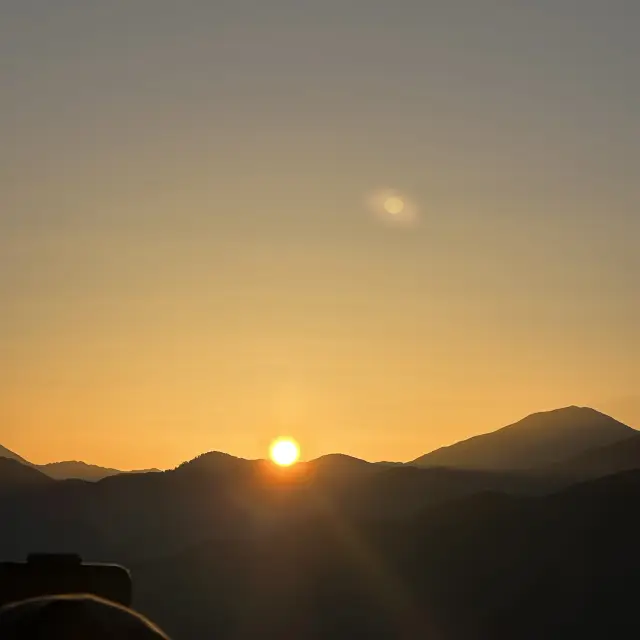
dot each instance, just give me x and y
(172, 513)
(530, 531)
(71, 469)
(623, 455)
(540, 439)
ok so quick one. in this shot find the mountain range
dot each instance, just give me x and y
(485, 567)
(170, 511)
(538, 440)
(529, 531)
(70, 469)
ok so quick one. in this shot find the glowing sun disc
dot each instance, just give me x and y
(284, 452)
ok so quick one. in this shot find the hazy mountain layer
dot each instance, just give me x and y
(537, 440)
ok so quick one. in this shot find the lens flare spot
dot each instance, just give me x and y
(394, 205)
(284, 452)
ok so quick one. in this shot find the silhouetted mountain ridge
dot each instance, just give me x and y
(339, 459)
(342, 548)
(487, 566)
(340, 465)
(601, 461)
(212, 462)
(14, 475)
(6, 453)
(70, 469)
(538, 440)
(74, 469)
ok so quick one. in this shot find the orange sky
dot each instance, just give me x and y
(191, 259)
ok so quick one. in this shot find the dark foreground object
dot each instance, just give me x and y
(74, 618)
(52, 574)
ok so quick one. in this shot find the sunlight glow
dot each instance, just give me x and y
(284, 452)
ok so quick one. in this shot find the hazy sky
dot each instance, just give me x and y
(190, 258)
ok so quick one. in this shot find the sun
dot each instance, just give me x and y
(284, 452)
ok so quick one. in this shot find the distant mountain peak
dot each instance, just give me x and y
(539, 439)
(574, 417)
(339, 458)
(569, 410)
(77, 470)
(211, 461)
(69, 469)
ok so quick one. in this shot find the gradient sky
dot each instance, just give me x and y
(189, 259)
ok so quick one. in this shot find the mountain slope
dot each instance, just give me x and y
(537, 440)
(6, 453)
(601, 461)
(69, 470)
(76, 470)
(145, 515)
(488, 566)
(341, 466)
(16, 475)
(339, 460)
(212, 462)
